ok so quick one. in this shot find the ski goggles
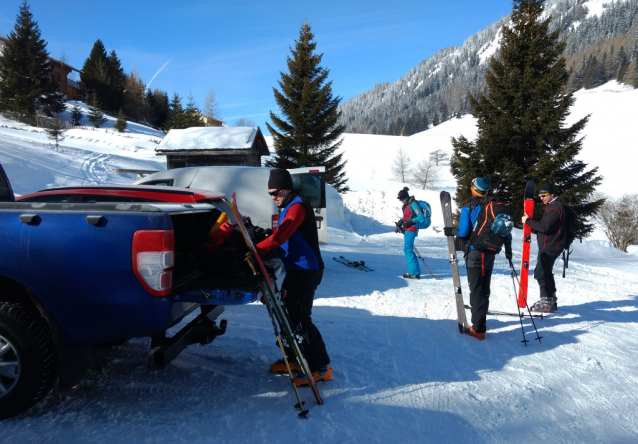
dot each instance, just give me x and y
(543, 195)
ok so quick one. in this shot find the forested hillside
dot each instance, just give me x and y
(601, 45)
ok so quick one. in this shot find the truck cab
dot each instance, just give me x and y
(251, 186)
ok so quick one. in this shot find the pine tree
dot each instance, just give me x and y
(309, 133)
(191, 114)
(120, 123)
(76, 114)
(27, 85)
(94, 74)
(116, 83)
(161, 107)
(95, 115)
(521, 122)
(56, 132)
(103, 74)
(176, 115)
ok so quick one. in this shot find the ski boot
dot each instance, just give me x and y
(280, 366)
(479, 336)
(411, 276)
(545, 305)
(323, 374)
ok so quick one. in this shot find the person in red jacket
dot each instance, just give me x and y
(551, 237)
(297, 243)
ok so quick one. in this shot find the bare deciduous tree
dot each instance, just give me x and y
(438, 156)
(211, 107)
(401, 166)
(244, 121)
(619, 219)
(426, 174)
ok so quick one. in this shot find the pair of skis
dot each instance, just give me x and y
(359, 265)
(278, 316)
(446, 206)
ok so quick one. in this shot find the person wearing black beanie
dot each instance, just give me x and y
(408, 225)
(551, 235)
(297, 243)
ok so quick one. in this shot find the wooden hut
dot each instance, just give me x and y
(208, 146)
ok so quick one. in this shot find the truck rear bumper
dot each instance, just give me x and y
(201, 330)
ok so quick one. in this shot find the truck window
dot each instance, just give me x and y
(93, 198)
(51, 198)
(311, 186)
(159, 182)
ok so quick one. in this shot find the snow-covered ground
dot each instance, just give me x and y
(402, 372)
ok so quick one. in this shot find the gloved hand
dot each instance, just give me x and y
(508, 249)
(399, 223)
(450, 231)
(407, 223)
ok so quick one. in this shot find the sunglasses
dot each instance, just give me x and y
(543, 195)
(274, 193)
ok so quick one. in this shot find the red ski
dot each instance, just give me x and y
(530, 189)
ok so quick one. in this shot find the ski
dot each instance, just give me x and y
(275, 307)
(360, 265)
(505, 313)
(530, 189)
(446, 206)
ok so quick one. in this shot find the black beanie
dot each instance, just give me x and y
(280, 180)
(546, 188)
(403, 194)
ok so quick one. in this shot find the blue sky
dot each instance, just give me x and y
(239, 47)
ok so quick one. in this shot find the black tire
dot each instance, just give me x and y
(27, 351)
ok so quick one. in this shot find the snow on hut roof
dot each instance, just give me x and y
(214, 138)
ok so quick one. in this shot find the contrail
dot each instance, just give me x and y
(158, 71)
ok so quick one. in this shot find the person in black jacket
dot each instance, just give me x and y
(551, 237)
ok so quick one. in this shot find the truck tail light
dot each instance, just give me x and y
(275, 221)
(153, 260)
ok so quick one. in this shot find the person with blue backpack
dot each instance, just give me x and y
(416, 215)
(485, 225)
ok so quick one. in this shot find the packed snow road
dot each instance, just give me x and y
(402, 372)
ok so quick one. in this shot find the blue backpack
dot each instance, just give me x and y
(427, 213)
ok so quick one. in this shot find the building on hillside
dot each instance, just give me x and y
(213, 146)
(70, 88)
(210, 121)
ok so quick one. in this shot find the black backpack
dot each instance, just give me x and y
(483, 238)
(571, 227)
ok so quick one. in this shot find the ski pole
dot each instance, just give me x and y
(423, 260)
(520, 315)
(300, 403)
(538, 337)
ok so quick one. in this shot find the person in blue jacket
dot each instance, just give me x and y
(412, 216)
(479, 265)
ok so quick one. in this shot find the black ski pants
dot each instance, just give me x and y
(479, 274)
(299, 289)
(544, 272)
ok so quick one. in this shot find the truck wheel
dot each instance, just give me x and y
(27, 360)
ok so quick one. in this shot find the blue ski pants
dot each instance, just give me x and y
(408, 250)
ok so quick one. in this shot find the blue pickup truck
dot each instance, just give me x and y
(78, 274)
